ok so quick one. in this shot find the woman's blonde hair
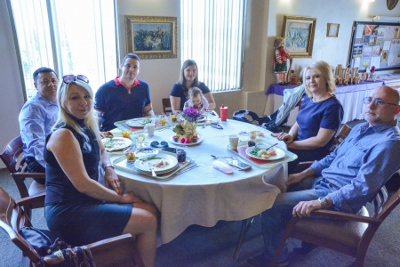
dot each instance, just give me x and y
(63, 116)
(323, 69)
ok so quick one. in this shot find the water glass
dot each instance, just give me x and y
(140, 139)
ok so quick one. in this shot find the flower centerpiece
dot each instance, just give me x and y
(186, 130)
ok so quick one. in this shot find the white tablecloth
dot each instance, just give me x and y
(203, 195)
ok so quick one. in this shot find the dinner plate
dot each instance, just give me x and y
(279, 153)
(146, 152)
(199, 140)
(139, 123)
(116, 143)
(147, 164)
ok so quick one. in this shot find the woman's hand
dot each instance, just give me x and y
(129, 197)
(287, 138)
(112, 180)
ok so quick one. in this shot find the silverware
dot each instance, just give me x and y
(271, 146)
(151, 168)
(187, 169)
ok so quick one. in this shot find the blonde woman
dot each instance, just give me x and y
(77, 206)
(320, 115)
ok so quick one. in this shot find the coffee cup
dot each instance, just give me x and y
(233, 141)
(149, 128)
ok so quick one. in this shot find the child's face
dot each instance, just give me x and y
(196, 100)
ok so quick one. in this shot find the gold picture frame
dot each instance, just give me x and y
(152, 37)
(299, 35)
(332, 29)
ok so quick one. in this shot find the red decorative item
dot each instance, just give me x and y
(372, 69)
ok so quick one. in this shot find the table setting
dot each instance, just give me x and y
(199, 189)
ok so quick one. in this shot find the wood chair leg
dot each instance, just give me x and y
(243, 231)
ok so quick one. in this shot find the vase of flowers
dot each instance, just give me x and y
(187, 129)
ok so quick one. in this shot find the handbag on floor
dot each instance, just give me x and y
(43, 241)
(54, 251)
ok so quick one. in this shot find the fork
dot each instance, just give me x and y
(151, 168)
(187, 169)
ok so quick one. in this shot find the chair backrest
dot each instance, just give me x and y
(166, 104)
(12, 155)
(13, 218)
(341, 135)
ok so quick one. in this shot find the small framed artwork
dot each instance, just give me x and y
(152, 37)
(299, 35)
(332, 30)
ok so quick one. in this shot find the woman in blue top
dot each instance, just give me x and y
(320, 115)
(188, 79)
(77, 206)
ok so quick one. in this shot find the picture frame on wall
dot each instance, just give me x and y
(152, 37)
(332, 30)
(299, 35)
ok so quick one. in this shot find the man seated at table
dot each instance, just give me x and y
(36, 118)
(346, 179)
(125, 97)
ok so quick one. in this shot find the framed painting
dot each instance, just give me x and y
(332, 30)
(152, 37)
(299, 35)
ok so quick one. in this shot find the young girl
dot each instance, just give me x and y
(196, 100)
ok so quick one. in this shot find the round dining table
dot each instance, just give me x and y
(205, 195)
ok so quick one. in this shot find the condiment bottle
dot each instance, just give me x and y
(223, 112)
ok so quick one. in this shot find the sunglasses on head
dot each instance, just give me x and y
(71, 78)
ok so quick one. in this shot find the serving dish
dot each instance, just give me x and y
(199, 140)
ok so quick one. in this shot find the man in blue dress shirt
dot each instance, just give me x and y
(346, 179)
(36, 118)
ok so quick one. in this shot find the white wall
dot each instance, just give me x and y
(11, 98)
(160, 74)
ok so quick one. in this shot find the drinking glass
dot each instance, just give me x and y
(140, 139)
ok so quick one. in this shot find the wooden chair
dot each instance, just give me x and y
(341, 135)
(12, 157)
(343, 232)
(118, 251)
(166, 104)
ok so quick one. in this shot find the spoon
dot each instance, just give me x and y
(270, 146)
(215, 157)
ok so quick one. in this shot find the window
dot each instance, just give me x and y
(212, 35)
(69, 36)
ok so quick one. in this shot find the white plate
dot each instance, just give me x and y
(116, 143)
(280, 154)
(199, 140)
(146, 165)
(139, 123)
(146, 152)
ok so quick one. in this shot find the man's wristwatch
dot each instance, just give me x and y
(107, 166)
(324, 202)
